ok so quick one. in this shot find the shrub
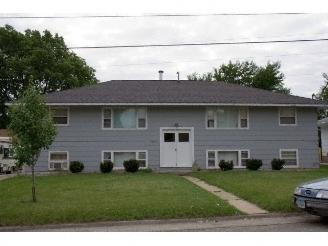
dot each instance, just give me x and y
(76, 166)
(106, 166)
(131, 165)
(226, 165)
(253, 164)
(277, 164)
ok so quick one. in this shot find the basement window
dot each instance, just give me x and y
(290, 156)
(58, 160)
(238, 157)
(118, 157)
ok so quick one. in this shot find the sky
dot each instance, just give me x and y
(218, 31)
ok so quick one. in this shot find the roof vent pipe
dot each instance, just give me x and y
(160, 74)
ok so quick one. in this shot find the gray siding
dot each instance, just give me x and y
(324, 139)
(85, 140)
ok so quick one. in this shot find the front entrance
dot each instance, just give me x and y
(177, 147)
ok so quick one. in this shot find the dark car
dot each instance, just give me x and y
(312, 197)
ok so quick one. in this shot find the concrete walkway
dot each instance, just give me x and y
(6, 176)
(235, 201)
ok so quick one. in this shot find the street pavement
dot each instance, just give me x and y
(289, 222)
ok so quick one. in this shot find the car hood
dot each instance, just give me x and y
(319, 184)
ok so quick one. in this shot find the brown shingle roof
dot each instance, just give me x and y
(3, 133)
(172, 92)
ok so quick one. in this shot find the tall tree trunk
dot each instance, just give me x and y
(33, 184)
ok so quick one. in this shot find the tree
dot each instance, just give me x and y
(247, 73)
(241, 73)
(31, 129)
(197, 77)
(270, 78)
(322, 95)
(45, 58)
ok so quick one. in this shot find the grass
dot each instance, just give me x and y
(87, 197)
(271, 190)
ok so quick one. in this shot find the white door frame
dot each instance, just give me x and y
(182, 146)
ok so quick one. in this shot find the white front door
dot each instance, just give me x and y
(177, 147)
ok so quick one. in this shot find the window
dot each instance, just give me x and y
(107, 116)
(211, 158)
(287, 116)
(118, 157)
(124, 118)
(142, 159)
(184, 137)
(210, 118)
(58, 160)
(60, 116)
(238, 157)
(169, 137)
(227, 118)
(243, 118)
(7, 151)
(290, 157)
(243, 157)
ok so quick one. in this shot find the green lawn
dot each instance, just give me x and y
(269, 189)
(87, 197)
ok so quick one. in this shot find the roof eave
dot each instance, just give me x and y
(191, 104)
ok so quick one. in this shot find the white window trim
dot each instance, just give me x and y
(68, 115)
(59, 151)
(124, 151)
(279, 110)
(120, 129)
(215, 119)
(297, 160)
(216, 163)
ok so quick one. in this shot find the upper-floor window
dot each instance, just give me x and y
(124, 118)
(287, 116)
(60, 116)
(227, 118)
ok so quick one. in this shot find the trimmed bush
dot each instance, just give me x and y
(253, 164)
(131, 165)
(106, 166)
(226, 165)
(76, 166)
(277, 164)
